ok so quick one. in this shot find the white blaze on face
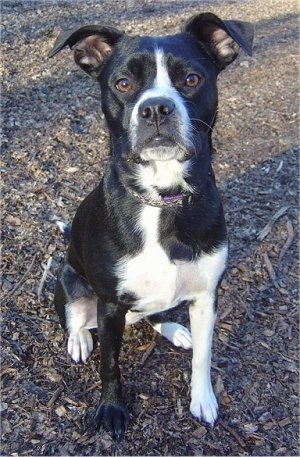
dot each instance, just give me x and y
(162, 87)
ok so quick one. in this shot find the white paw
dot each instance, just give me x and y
(80, 345)
(179, 335)
(204, 406)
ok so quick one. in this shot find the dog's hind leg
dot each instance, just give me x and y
(76, 306)
(176, 333)
(81, 316)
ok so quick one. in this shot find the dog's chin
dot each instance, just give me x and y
(160, 152)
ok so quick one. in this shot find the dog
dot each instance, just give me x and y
(152, 235)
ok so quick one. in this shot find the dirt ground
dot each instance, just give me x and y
(54, 145)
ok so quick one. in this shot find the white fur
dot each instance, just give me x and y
(81, 315)
(163, 175)
(149, 275)
(204, 405)
(179, 335)
(202, 317)
(158, 283)
(80, 345)
(61, 225)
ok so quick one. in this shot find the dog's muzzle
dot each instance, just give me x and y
(158, 132)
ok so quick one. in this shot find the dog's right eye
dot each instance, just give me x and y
(123, 85)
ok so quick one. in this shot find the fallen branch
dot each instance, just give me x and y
(270, 269)
(289, 239)
(43, 279)
(148, 352)
(233, 433)
(16, 287)
(55, 396)
(212, 446)
(266, 230)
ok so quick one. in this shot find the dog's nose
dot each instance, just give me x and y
(156, 109)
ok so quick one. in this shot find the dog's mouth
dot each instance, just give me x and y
(161, 141)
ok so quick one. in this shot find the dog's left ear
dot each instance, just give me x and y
(91, 44)
(221, 39)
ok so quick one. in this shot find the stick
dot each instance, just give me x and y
(270, 269)
(266, 230)
(233, 433)
(289, 239)
(43, 279)
(55, 396)
(148, 352)
(211, 445)
(14, 289)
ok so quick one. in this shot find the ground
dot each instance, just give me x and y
(54, 145)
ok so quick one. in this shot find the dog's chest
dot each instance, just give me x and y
(157, 283)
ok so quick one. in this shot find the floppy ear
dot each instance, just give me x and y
(91, 44)
(221, 39)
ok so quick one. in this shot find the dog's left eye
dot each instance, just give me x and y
(192, 80)
(123, 85)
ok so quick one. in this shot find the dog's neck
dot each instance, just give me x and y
(162, 184)
(169, 183)
(167, 200)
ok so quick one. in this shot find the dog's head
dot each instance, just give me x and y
(159, 94)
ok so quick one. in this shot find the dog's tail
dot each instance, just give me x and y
(64, 227)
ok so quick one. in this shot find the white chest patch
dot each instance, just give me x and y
(166, 174)
(159, 284)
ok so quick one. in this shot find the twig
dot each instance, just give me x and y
(272, 273)
(55, 396)
(270, 269)
(14, 289)
(266, 230)
(289, 239)
(245, 305)
(211, 445)
(279, 166)
(95, 385)
(288, 359)
(43, 279)
(238, 209)
(233, 433)
(148, 352)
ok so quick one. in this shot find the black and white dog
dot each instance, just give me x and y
(152, 235)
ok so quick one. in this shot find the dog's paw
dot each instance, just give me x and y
(114, 418)
(179, 335)
(204, 406)
(80, 345)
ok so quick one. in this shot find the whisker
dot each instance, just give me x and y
(202, 122)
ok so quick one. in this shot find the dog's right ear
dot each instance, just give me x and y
(91, 44)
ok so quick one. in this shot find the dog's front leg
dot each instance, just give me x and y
(204, 405)
(112, 411)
